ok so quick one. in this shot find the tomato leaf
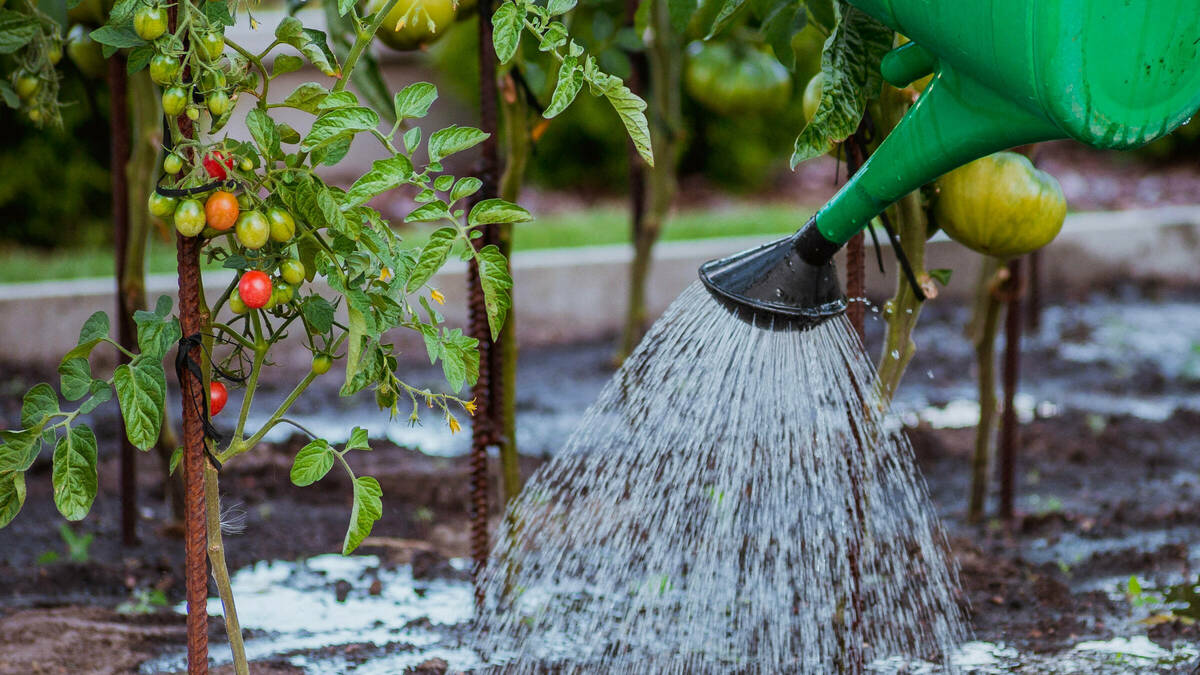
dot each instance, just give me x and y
(318, 313)
(368, 508)
(497, 286)
(12, 496)
(114, 38)
(507, 23)
(452, 139)
(16, 30)
(75, 377)
(157, 332)
(782, 22)
(306, 97)
(465, 187)
(428, 213)
(20, 448)
(38, 403)
(358, 440)
(850, 63)
(497, 211)
(101, 393)
(433, 256)
(141, 390)
(262, 129)
(74, 474)
(312, 43)
(460, 358)
(312, 463)
(413, 101)
(570, 81)
(384, 175)
(338, 123)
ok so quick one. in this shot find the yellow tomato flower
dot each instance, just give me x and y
(470, 407)
(437, 296)
(454, 425)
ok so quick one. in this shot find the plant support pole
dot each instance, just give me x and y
(486, 388)
(119, 150)
(1012, 368)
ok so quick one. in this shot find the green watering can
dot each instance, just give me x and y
(1109, 73)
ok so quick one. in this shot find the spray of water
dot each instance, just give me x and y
(736, 501)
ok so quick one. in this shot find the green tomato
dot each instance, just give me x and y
(283, 226)
(219, 103)
(85, 52)
(27, 85)
(282, 292)
(174, 101)
(812, 96)
(189, 217)
(164, 70)
(160, 206)
(54, 53)
(428, 21)
(173, 164)
(211, 46)
(35, 116)
(321, 364)
(292, 271)
(212, 79)
(734, 79)
(236, 305)
(252, 230)
(246, 164)
(193, 113)
(149, 23)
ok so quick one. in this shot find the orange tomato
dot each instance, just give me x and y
(221, 210)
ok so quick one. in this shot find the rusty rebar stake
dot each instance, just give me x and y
(856, 259)
(118, 161)
(488, 389)
(1012, 368)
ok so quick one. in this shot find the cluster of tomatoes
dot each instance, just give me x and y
(208, 44)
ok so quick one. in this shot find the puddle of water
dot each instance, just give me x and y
(292, 607)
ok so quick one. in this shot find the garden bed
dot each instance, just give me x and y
(1109, 487)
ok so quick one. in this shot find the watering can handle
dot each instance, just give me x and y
(906, 64)
(955, 121)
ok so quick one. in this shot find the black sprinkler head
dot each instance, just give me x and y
(792, 279)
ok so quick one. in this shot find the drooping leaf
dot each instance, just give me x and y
(497, 211)
(570, 81)
(452, 139)
(141, 390)
(433, 256)
(313, 44)
(368, 508)
(312, 463)
(632, 111)
(414, 101)
(74, 474)
(460, 359)
(497, 286)
(12, 496)
(728, 11)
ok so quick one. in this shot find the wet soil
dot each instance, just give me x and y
(1106, 490)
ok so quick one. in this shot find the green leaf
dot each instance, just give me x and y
(75, 378)
(941, 275)
(9, 95)
(726, 14)
(157, 332)
(262, 129)
(114, 38)
(680, 13)
(306, 97)
(384, 175)
(631, 109)
(12, 496)
(287, 134)
(452, 139)
(339, 123)
(433, 256)
(344, 6)
(318, 313)
(313, 44)
(557, 7)
(412, 138)
(358, 440)
(39, 403)
(333, 152)
(570, 81)
(428, 213)
(443, 183)
(368, 508)
(16, 30)
(338, 99)
(332, 213)
(141, 390)
(782, 22)
(497, 286)
(139, 58)
(175, 459)
(20, 448)
(465, 187)
(508, 21)
(850, 63)
(413, 101)
(497, 211)
(74, 475)
(460, 359)
(312, 463)
(101, 393)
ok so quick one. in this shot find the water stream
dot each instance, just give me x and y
(736, 500)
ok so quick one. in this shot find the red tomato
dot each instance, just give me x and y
(255, 289)
(217, 396)
(216, 163)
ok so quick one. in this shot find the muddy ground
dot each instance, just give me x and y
(1109, 486)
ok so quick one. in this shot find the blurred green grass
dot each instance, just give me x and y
(599, 226)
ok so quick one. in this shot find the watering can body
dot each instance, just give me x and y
(1108, 73)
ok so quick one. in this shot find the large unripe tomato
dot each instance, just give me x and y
(160, 206)
(164, 70)
(253, 231)
(150, 22)
(218, 396)
(1000, 205)
(733, 79)
(189, 217)
(417, 31)
(283, 225)
(85, 52)
(235, 303)
(174, 101)
(292, 271)
(812, 96)
(219, 103)
(255, 289)
(221, 210)
(321, 364)
(211, 46)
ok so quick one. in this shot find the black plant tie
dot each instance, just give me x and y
(875, 243)
(230, 185)
(184, 363)
(902, 258)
